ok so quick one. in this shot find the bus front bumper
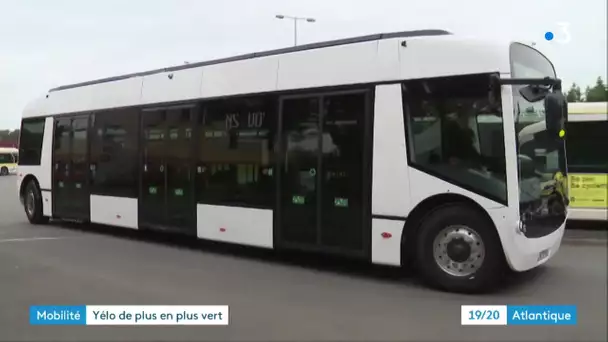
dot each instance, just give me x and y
(528, 253)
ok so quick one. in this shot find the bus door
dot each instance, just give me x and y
(322, 198)
(166, 200)
(71, 175)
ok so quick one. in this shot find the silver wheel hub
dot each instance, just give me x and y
(29, 204)
(459, 250)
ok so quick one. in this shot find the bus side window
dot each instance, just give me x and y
(445, 127)
(30, 141)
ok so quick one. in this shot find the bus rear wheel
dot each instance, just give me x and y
(32, 204)
(4, 171)
(459, 251)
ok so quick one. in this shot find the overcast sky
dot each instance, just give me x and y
(47, 43)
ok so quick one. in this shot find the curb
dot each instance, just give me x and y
(583, 241)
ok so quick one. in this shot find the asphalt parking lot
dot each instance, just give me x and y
(270, 298)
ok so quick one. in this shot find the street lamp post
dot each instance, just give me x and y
(295, 24)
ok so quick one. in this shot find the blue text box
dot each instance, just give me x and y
(58, 315)
(541, 315)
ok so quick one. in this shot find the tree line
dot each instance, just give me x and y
(597, 93)
(9, 137)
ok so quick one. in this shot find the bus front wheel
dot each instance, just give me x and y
(4, 171)
(32, 204)
(459, 251)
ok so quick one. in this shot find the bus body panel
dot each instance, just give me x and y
(244, 226)
(588, 214)
(525, 254)
(334, 66)
(115, 211)
(386, 241)
(37, 107)
(123, 93)
(390, 180)
(240, 77)
(445, 56)
(511, 160)
(587, 117)
(172, 86)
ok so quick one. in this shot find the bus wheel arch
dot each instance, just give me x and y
(24, 183)
(423, 212)
(30, 183)
(4, 171)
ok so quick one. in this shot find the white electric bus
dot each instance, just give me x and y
(367, 147)
(587, 138)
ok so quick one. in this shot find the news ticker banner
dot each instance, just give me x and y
(518, 315)
(129, 315)
(219, 315)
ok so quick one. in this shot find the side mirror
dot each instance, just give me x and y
(534, 93)
(555, 112)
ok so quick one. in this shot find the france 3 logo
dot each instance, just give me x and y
(561, 35)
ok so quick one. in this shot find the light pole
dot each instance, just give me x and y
(295, 24)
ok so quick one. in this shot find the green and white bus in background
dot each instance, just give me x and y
(9, 157)
(389, 148)
(587, 150)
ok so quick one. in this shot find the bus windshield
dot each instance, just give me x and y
(541, 156)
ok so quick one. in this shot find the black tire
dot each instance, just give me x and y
(4, 171)
(32, 204)
(485, 259)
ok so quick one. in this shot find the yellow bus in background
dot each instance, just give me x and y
(8, 160)
(587, 153)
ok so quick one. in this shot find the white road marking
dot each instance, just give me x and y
(35, 239)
